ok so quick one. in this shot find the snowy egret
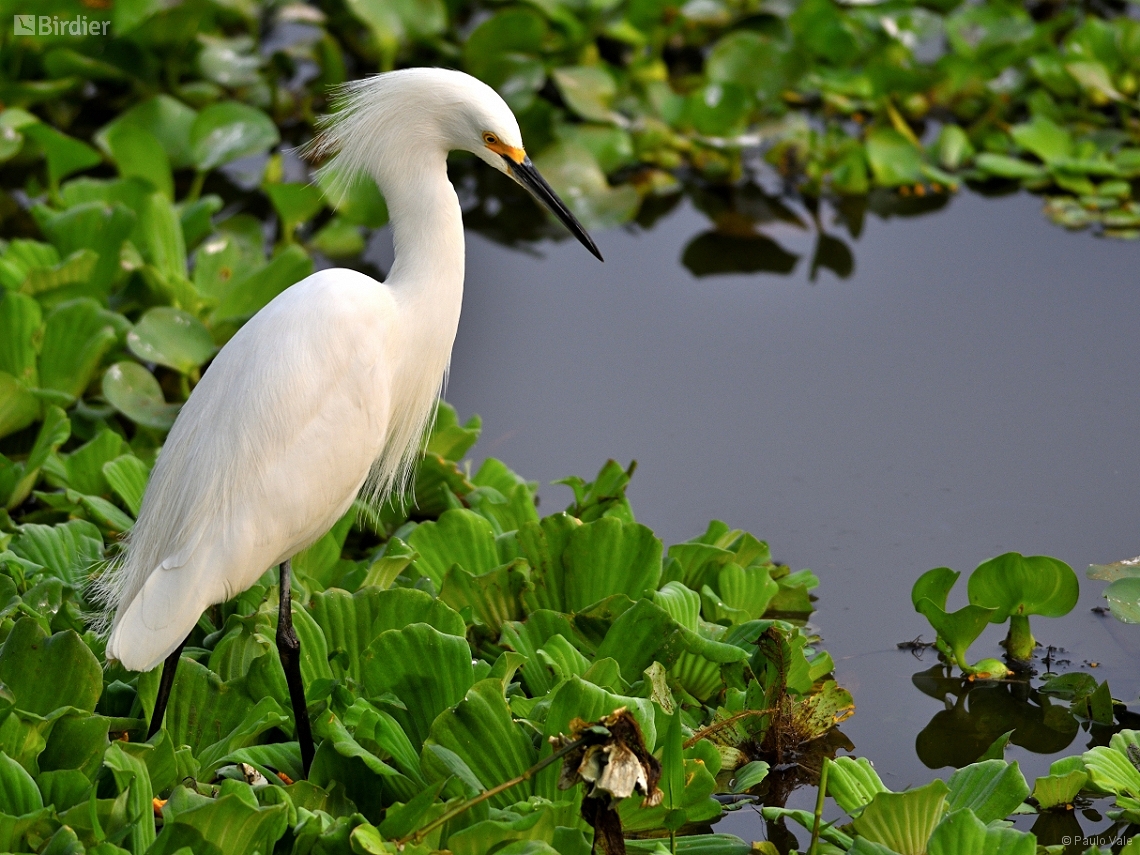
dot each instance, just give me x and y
(324, 393)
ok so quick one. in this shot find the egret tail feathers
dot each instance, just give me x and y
(157, 620)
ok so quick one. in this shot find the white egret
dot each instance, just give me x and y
(325, 392)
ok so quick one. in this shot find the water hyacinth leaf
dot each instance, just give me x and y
(1049, 141)
(460, 537)
(575, 175)
(749, 775)
(589, 91)
(904, 821)
(20, 321)
(138, 154)
(18, 791)
(607, 557)
(1004, 166)
(482, 733)
(954, 147)
(229, 824)
(426, 669)
(68, 551)
(1129, 568)
(18, 406)
(166, 118)
(54, 432)
(132, 777)
(45, 673)
(127, 475)
(249, 293)
(1014, 584)
(77, 335)
(962, 832)
(992, 789)
(134, 392)
(294, 203)
(171, 337)
(958, 629)
(228, 130)
(65, 155)
(894, 159)
(1052, 791)
(853, 783)
(1123, 597)
(935, 585)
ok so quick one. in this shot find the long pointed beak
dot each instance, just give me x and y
(529, 177)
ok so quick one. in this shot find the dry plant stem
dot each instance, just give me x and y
(819, 806)
(417, 836)
(718, 726)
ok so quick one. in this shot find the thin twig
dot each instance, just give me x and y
(417, 836)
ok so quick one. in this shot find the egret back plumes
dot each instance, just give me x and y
(324, 393)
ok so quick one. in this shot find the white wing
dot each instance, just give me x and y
(248, 475)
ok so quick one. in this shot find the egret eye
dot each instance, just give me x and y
(489, 138)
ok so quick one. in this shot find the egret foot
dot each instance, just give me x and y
(164, 686)
(289, 649)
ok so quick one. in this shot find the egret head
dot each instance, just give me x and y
(447, 110)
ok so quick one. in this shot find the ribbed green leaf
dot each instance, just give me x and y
(962, 833)
(481, 732)
(426, 669)
(127, 475)
(227, 825)
(351, 622)
(460, 537)
(45, 674)
(904, 821)
(20, 319)
(609, 556)
(853, 782)
(69, 551)
(494, 597)
(18, 791)
(1056, 790)
(992, 789)
(131, 776)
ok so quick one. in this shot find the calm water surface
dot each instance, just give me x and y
(970, 389)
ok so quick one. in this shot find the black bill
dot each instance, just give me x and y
(528, 177)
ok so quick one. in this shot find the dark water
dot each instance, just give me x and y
(970, 389)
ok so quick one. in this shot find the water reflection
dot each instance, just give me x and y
(979, 713)
(747, 221)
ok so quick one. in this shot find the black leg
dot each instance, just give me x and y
(289, 648)
(164, 686)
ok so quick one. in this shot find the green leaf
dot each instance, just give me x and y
(127, 476)
(1123, 597)
(954, 147)
(959, 629)
(935, 585)
(1058, 790)
(167, 119)
(99, 226)
(77, 335)
(426, 669)
(1014, 584)
(575, 175)
(1044, 138)
(992, 789)
(495, 597)
(173, 338)
(607, 557)
(904, 822)
(53, 433)
(18, 407)
(894, 159)
(133, 778)
(138, 154)
(20, 321)
(64, 154)
(294, 203)
(134, 392)
(68, 551)
(481, 732)
(18, 791)
(963, 833)
(588, 90)
(460, 537)
(162, 242)
(853, 783)
(228, 130)
(45, 674)
(247, 294)
(1003, 166)
(228, 825)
